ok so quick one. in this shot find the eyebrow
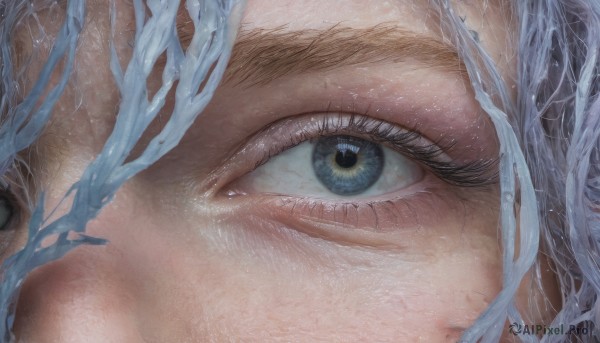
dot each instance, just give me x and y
(261, 56)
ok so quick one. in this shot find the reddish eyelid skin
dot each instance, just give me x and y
(440, 106)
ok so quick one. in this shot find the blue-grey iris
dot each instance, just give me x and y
(347, 165)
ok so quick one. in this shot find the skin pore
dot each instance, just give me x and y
(206, 246)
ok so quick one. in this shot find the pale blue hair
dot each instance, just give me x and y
(549, 159)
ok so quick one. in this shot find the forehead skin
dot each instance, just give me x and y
(92, 113)
(490, 19)
(180, 267)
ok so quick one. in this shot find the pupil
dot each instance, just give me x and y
(347, 165)
(346, 158)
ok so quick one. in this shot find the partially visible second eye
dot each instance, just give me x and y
(338, 166)
(6, 213)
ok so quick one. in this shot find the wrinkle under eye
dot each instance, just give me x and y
(347, 165)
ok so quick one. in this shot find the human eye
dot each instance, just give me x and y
(6, 213)
(9, 219)
(337, 167)
(349, 156)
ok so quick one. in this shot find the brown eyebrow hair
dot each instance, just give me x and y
(263, 55)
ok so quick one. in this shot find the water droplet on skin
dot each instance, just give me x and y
(231, 194)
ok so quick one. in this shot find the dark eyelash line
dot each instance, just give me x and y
(472, 174)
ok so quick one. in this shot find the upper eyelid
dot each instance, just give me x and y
(377, 128)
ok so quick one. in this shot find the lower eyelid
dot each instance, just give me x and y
(424, 207)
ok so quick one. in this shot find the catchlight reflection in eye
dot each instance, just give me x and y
(334, 167)
(347, 165)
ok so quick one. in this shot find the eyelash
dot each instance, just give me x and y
(477, 173)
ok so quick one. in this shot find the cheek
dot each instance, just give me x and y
(220, 278)
(195, 276)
